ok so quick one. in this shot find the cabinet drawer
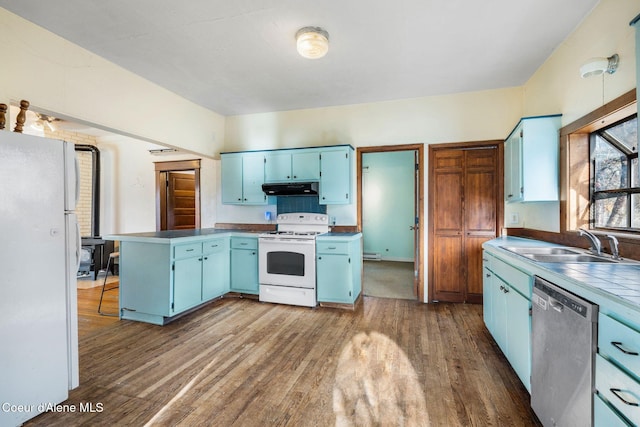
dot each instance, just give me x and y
(620, 343)
(332, 247)
(244, 243)
(214, 246)
(619, 389)
(514, 277)
(191, 249)
(604, 416)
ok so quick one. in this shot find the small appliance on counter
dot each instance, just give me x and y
(287, 259)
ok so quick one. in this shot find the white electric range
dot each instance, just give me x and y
(287, 259)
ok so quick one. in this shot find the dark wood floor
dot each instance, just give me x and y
(246, 363)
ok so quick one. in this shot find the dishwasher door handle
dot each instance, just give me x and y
(557, 306)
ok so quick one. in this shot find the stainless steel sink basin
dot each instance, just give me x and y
(539, 250)
(557, 255)
(568, 258)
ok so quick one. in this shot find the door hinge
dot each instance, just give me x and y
(349, 260)
(172, 306)
(346, 196)
(349, 293)
(346, 155)
(173, 267)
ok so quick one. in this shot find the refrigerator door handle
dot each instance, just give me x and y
(78, 245)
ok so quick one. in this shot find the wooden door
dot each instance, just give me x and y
(181, 200)
(464, 214)
(177, 195)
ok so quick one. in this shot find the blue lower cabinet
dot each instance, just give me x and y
(339, 268)
(244, 265)
(160, 280)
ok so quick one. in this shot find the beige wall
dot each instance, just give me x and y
(61, 78)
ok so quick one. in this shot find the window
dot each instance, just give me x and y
(615, 183)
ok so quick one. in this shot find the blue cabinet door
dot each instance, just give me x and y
(252, 179)
(333, 272)
(244, 271)
(215, 269)
(277, 167)
(231, 165)
(335, 176)
(305, 166)
(519, 336)
(187, 283)
(499, 291)
(487, 299)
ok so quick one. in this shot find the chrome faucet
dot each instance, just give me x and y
(596, 246)
(613, 241)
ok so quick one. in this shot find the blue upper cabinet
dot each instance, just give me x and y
(531, 159)
(242, 178)
(243, 173)
(292, 165)
(335, 175)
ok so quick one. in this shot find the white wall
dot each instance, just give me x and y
(128, 202)
(61, 78)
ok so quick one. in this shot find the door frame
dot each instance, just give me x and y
(419, 232)
(161, 169)
(499, 194)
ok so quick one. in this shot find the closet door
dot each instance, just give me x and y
(464, 203)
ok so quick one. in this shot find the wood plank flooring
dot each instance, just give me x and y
(239, 362)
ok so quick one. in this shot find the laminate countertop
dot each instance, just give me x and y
(168, 236)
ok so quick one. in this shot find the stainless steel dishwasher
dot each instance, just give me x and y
(563, 330)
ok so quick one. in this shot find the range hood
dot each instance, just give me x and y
(291, 189)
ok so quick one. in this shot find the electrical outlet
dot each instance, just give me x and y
(514, 218)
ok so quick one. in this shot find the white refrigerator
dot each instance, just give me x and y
(39, 258)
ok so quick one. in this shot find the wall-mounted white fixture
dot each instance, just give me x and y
(312, 42)
(597, 66)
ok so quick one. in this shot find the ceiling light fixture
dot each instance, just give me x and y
(312, 42)
(597, 66)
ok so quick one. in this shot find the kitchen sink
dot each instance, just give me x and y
(539, 250)
(567, 258)
(557, 255)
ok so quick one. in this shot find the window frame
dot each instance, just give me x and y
(604, 194)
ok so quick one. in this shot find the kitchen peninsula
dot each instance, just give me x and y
(165, 274)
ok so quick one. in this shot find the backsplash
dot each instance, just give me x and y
(288, 204)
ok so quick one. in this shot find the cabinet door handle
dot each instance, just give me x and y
(619, 346)
(253, 253)
(488, 275)
(189, 250)
(244, 244)
(199, 259)
(206, 258)
(331, 248)
(616, 392)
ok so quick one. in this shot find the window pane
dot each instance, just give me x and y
(626, 133)
(610, 166)
(635, 176)
(635, 214)
(611, 212)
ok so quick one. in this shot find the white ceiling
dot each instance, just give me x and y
(239, 56)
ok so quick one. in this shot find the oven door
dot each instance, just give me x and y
(287, 262)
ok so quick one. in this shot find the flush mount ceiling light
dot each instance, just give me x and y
(312, 42)
(597, 66)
